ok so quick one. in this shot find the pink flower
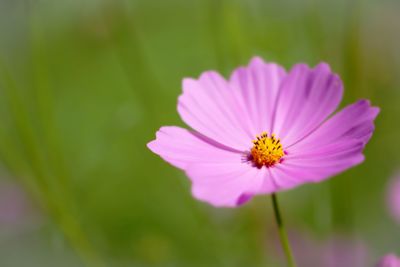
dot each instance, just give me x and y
(393, 197)
(389, 260)
(263, 130)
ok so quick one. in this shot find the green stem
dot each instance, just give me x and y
(282, 232)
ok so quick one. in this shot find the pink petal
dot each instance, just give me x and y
(181, 147)
(294, 172)
(334, 147)
(209, 106)
(232, 113)
(258, 85)
(227, 184)
(306, 98)
(354, 122)
(219, 175)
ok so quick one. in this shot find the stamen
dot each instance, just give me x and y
(266, 151)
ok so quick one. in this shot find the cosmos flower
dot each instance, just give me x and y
(393, 197)
(263, 130)
(389, 260)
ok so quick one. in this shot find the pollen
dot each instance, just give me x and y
(266, 151)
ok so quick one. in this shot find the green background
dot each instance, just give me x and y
(84, 85)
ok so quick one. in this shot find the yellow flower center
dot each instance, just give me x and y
(266, 151)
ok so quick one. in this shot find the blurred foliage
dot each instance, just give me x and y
(84, 85)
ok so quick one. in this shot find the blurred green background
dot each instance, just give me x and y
(84, 85)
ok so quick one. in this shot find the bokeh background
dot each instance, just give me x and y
(84, 85)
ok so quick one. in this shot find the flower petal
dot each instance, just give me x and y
(226, 184)
(220, 176)
(293, 171)
(209, 106)
(258, 85)
(354, 122)
(181, 147)
(306, 98)
(296, 171)
(334, 147)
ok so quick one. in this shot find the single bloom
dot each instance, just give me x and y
(390, 260)
(393, 197)
(263, 130)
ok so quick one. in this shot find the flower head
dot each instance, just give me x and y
(263, 130)
(389, 260)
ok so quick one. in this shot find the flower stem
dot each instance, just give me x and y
(282, 232)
